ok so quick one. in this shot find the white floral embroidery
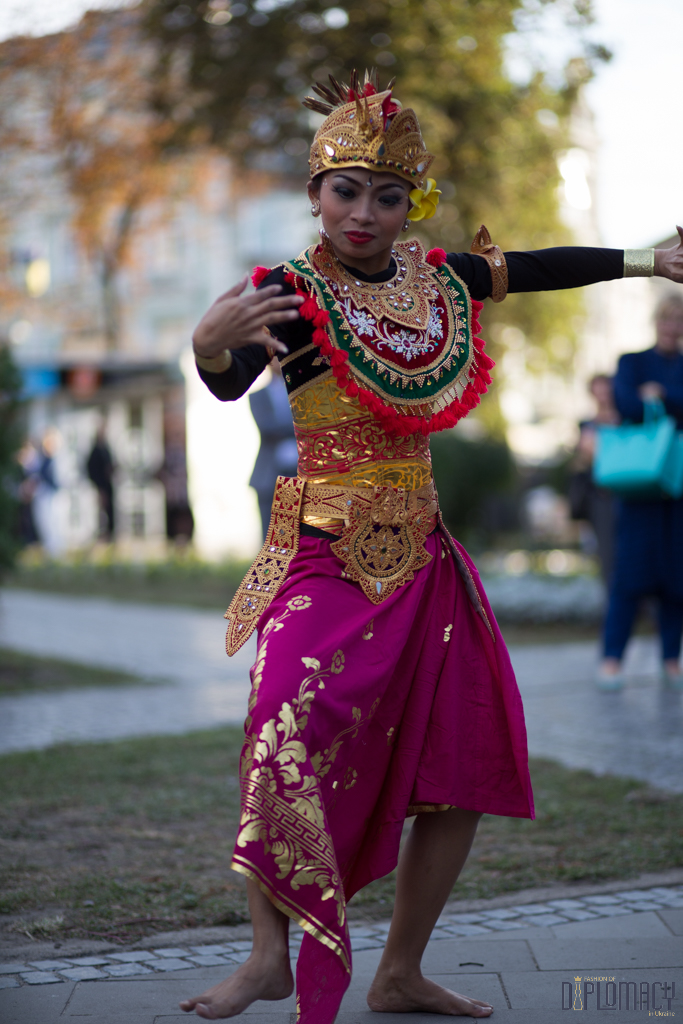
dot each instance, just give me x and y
(407, 344)
(435, 327)
(361, 321)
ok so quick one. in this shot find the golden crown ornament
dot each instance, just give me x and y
(367, 128)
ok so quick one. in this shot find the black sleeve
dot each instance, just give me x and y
(541, 270)
(247, 364)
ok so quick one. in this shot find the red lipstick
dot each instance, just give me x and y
(359, 237)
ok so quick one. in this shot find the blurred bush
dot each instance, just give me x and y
(476, 481)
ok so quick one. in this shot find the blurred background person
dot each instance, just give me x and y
(594, 504)
(173, 475)
(648, 557)
(277, 455)
(46, 486)
(29, 461)
(100, 469)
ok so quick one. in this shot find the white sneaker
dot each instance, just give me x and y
(609, 681)
(672, 680)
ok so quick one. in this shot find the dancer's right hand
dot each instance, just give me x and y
(236, 320)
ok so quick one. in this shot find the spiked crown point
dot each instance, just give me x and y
(366, 127)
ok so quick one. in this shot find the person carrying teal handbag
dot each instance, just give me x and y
(649, 542)
(641, 460)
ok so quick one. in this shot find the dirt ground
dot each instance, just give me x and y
(120, 840)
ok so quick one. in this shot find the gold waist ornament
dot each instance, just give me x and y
(381, 547)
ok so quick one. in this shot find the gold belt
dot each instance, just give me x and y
(381, 546)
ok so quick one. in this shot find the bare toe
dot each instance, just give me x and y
(205, 1011)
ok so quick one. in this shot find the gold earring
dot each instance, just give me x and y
(315, 208)
(406, 224)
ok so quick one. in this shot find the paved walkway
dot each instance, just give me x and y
(529, 971)
(182, 650)
(638, 732)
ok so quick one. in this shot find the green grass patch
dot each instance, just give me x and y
(122, 839)
(185, 581)
(24, 673)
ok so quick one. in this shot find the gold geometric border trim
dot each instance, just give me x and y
(271, 565)
(292, 909)
(296, 827)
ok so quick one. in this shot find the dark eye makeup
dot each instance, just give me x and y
(349, 193)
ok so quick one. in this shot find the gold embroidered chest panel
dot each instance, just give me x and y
(408, 340)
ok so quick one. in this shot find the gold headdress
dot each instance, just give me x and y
(367, 128)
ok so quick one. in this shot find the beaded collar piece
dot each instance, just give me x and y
(409, 331)
(407, 349)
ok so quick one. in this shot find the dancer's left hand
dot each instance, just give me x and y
(669, 262)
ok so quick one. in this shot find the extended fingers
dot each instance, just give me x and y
(233, 292)
(276, 302)
(262, 336)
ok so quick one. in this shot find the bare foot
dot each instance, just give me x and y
(412, 994)
(257, 978)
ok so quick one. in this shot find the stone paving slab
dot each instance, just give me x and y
(607, 954)
(522, 978)
(447, 951)
(673, 919)
(456, 957)
(42, 1005)
(643, 925)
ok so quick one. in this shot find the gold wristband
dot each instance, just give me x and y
(639, 262)
(215, 364)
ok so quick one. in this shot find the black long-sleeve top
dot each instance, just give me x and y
(540, 270)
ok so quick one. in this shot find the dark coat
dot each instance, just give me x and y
(277, 454)
(649, 543)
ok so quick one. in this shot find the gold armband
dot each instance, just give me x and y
(639, 262)
(215, 364)
(493, 254)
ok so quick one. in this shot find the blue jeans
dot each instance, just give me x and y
(621, 613)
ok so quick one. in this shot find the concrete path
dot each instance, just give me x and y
(529, 974)
(181, 650)
(638, 732)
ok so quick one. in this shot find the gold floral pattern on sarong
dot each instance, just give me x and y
(295, 604)
(282, 806)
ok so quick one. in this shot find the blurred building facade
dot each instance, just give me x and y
(166, 434)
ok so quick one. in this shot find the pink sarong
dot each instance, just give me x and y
(360, 715)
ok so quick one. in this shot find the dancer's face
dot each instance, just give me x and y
(362, 212)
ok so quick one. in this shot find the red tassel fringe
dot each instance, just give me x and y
(258, 274)
(393, 422)
(435, 257)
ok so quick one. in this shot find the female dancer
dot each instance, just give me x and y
(382, 687)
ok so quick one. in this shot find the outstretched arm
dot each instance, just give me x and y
(568, 267)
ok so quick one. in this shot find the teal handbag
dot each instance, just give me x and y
(643, 460)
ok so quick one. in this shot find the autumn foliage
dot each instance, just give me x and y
(76, 107)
